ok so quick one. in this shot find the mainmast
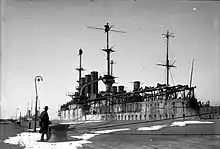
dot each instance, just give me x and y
(167, 65)
(109, 79)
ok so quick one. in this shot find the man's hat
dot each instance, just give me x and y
(46, 107)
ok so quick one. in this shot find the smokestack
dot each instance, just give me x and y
(114, 89)
(136, 85)
(94, 86)
(82, 82)
(121, 89)
(88, 80)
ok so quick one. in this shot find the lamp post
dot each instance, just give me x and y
(37, 78)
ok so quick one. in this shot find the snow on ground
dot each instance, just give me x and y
(85, 136)
(109, 131)
(156, 127)
(30, 140)
(179, 123)
(184, 123)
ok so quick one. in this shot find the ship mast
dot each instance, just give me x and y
(108, 50)
(109, 79)
(167, 65)
(80, 69)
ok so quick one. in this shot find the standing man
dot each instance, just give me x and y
(44, 124)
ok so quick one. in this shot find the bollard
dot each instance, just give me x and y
(58, 133)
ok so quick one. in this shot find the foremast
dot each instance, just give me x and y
(80, 69)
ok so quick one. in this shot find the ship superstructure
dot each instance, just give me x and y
(143, 103)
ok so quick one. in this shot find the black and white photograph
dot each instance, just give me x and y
(110, 74)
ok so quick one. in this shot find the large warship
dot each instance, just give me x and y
(157, 103)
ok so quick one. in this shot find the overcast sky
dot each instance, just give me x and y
(42, 37)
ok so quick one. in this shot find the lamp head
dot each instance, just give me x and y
(39, 78)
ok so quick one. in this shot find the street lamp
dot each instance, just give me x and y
(37, 78)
